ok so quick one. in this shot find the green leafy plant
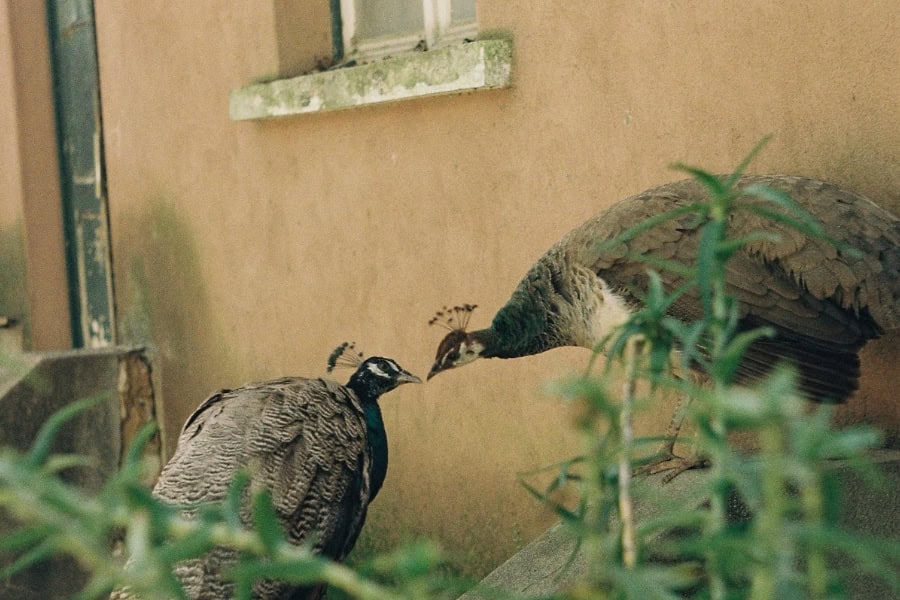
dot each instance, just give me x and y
(56, 518)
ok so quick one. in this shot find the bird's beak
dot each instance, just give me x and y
(435, 369)
(407, 377)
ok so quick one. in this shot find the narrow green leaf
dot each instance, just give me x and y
(100, 586)
(728, 247)
(562, 512)
(846, 443)
(712, 183)
(876, 556)
(35, 555)
(565, 464)
(265, 521)
(650, 223)
(60, 462)
(805, 224)
(136, 449)
(24, 538)
(730, 359)
(243, 585)
(778, 198)
(43, 441)
(307, 571)
(672, 266)
(808, 225)
(742, 167)
(231, 507)
(707, 265)
(191, 546)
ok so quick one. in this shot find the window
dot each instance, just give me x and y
(373, 29)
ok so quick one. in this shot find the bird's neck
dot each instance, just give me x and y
(521, 328)
(376, 437)
(552, 308)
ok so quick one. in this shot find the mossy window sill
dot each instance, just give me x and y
(459, 68)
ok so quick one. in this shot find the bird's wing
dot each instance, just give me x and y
(210, 449)
(869, 281)
(800, 282)
(209, 454)
(824, 303)
(309, 448)
(303, 439)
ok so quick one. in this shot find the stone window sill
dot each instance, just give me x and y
(478, 65)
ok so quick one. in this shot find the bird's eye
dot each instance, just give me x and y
(453, 355)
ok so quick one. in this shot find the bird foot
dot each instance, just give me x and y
(673, 463)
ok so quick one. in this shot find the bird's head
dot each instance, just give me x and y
(374, 376)
(459, 347)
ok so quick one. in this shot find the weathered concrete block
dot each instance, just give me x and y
(33, 386)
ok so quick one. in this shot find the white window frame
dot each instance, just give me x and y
(439, 31)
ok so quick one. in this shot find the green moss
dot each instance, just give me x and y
(457, 68)
(134, 321)
(165, 307)
(498, 33)
(13, 295)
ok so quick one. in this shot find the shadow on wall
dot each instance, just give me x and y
(877, 401)
(165, 307)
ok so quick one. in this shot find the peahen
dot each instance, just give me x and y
(823, 304)
(319, 447)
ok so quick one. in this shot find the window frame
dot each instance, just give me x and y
(439, 30)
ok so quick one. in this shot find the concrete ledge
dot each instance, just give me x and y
(550, 563)
(459, 68)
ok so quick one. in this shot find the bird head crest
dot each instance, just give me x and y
(345, 355)
(453, 319)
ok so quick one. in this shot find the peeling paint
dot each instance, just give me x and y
(465, 67)
(137, 405)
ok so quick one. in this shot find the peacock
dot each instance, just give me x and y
(319, 447)
(823, 304)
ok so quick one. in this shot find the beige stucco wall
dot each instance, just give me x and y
(10, 211)
(249, 250)
(32, 259)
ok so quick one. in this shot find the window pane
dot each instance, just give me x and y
(462, 10)
(375, 18)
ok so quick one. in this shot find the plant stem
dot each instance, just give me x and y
(770, 517)
(718, 500)
(626, 425)
(813, 512)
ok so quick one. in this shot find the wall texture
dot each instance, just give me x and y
(249, 250)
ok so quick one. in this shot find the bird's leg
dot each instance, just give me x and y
(665, 458)
(666, 452)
